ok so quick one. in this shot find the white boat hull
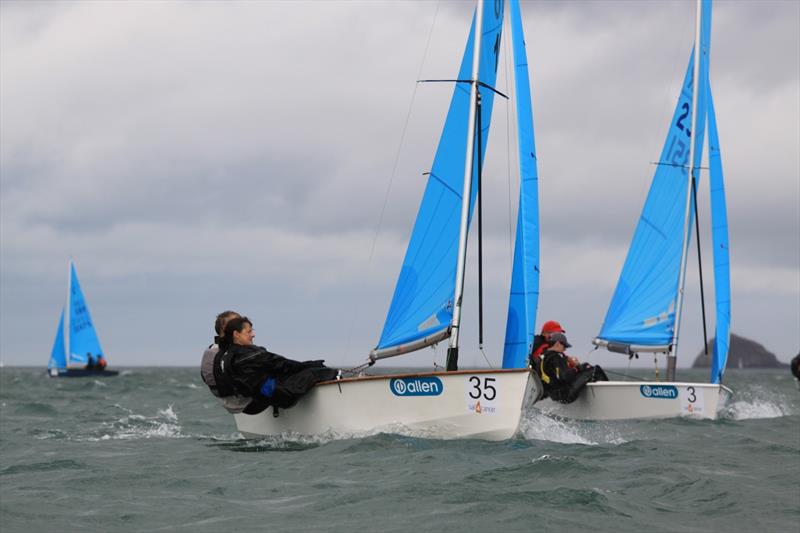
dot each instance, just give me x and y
(483, 404)
(628, 400)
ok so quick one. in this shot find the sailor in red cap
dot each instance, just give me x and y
(541, 342)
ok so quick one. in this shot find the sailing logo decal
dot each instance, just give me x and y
(430, 386)
(666, 392)
(481, 395)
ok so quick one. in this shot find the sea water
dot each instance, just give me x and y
(152, 450)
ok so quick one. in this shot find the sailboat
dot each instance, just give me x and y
(426, 305)
(76, 349)
(644, 313)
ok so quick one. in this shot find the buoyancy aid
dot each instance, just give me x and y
(540, 345)
(542, 374)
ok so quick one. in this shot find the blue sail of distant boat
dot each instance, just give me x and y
(82, 336)
(58, 356)
(719, 239)
(524, 296)
(642, 309)
(422, 305)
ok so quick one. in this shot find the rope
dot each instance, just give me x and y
(486, 358)
(355, 371)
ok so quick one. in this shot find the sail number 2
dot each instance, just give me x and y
(482, 389)
(678, 153)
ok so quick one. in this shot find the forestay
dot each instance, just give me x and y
(422, 306)
(524, 295)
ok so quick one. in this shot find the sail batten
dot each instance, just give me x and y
(524, 292)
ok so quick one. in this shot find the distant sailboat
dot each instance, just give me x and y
(76, 349)
(426, 306)
(644, 314)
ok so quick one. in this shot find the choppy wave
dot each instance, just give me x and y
(151, 452)
(164, 424)
(540, 426)
(757, 401)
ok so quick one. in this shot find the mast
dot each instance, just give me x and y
(452, 351)
(67, 314)
(672, 357)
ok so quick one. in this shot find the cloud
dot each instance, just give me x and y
(192, 157)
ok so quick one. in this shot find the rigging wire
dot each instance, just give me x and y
(486, 358)
(356, 306)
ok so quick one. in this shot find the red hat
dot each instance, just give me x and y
(551, 326)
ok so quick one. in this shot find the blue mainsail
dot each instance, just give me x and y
(642, 309)
(422, 304)
(719, 239)
(524, 295)
(58, 356)
(82, 336)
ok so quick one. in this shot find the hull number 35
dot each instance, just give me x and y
(482, 388)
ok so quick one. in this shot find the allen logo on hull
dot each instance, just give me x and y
(666, 392)
(428, 386)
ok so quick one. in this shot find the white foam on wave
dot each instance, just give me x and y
(757, 402)
(537, 425)
(133, 426)
(331, 435)
(289, 439)
(169, 413)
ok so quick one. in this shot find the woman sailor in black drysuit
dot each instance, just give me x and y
(242, 368)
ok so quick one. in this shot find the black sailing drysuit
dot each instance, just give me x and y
(243, 370)
(563, 383)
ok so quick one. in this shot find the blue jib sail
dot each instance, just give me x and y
(58, 355)
(642, 309)
(719, 239)
(422, 304)
(82, 336)
(524, 296)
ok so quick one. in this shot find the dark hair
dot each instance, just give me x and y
(222, 319)
(234, 324)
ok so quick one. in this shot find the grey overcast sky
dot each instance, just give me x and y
(198, 156)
